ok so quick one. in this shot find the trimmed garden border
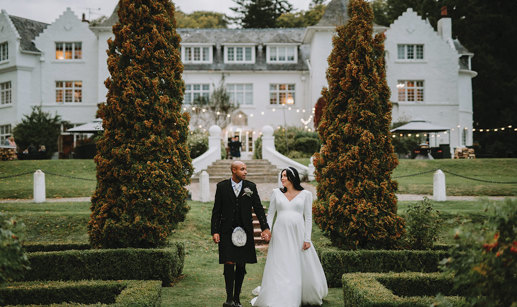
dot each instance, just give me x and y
(115, 293)
(164, 264)
(337, 262)
(398, 289)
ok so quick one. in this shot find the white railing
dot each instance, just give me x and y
(212, 154)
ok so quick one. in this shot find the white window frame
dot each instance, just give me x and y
(404, 51)
(190, 49)
(281, 91)
(274, 49)
(6, 93)
(234, 49)
(75, 56)
(407, 88)
(191, 91)
(4, 51)
(75, 86)
(5, 132)
(244, 90)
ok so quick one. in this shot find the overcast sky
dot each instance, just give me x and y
(48, 10)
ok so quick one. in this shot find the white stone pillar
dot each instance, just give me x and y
(311, 169)
(204, 187)
(39, 187)
(439, 191)
(214, 140)
(268, 139)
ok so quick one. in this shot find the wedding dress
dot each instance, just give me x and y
(292, 276)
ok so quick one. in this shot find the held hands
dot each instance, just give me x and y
(306, 245)
(266, 235)
(216, 238)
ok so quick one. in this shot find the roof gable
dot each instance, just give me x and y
(336, 14)
(28, 30)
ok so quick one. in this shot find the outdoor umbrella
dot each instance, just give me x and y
(419, 125)
(94, 126)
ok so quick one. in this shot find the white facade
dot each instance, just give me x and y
(445, 91)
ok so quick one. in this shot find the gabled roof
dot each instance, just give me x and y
(244, 36)
(336, 14)
(28, 30)
(460, 48)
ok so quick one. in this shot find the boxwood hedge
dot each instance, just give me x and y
(337, 262)
(117, 293)
(164, 264)
(398, 289)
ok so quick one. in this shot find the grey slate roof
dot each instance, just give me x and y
(336, 14)
(28, 30)
(459, 47)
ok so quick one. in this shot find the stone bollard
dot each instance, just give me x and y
(39, 187)
(439, 192)
(204, 187)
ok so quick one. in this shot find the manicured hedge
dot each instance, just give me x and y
(108, 264)
(337, 262)
(398, 289)
(41, 247)
(119, 293)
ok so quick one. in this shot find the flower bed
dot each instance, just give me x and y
(399, 289)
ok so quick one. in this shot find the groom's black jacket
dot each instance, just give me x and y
(225, 205)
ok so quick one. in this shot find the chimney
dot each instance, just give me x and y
(84, 18)
(445, 25)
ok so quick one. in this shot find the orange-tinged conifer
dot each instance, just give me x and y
(143, 162)
(357, 206)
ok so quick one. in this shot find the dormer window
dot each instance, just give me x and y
(239, 54)
(410, 52)
(196, 54)
(66, 51)
(282, 54)
(4, 51)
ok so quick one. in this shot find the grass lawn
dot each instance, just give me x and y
(504, 170)
(202, 283)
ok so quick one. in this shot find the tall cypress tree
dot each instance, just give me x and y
(260, 13)
(143, 162)
(357, 206)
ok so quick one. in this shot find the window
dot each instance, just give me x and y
(5, 132)
(410, 52)
(410, 90)
(69, 91)
(240, 94)
(240, 55)
(280, 93)
(196, 92)
(197, 55)
(5, 93)
(69, 51)
(4, 51)
(282, 54)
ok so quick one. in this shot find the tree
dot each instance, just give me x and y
(318, 111)
(215, 110)
(38, 128)
(357, 206)
(259, 13)
(380, 12)
(143, 162)
(201, 19)
(13, 260)
(302, 19)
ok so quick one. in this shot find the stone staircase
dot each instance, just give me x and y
(259, 171)
(259, 243)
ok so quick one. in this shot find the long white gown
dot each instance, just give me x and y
(292, 276)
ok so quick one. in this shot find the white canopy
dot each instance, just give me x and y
(94, 126)
(419, 125)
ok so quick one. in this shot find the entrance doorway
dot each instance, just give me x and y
(246, 139)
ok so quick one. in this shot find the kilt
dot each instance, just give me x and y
(229, 252)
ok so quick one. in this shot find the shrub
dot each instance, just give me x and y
(422, 224)
(143, 162)
(307, 145)
(398, 289)
(484, 260)
(13, 260)
(335, 263)
(357, 205)
(38, 128)
(121, 293)
(40, 247)
(257, 154)
(197, 143)
(108, 264)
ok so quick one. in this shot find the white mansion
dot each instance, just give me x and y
(275, 75)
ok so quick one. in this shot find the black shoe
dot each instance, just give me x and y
(228, 304)
(237, 304)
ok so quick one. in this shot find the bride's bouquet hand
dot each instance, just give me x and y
(306, 245)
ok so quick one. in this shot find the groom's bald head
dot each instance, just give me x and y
(239, 171)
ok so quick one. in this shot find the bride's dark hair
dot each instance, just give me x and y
(292, 175)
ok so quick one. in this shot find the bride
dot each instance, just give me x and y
(293, 275)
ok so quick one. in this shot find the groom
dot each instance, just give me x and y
(234, 199)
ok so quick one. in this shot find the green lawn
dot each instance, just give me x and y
(504, 170)
(202, 283)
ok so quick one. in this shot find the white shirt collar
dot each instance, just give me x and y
(235, 184)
